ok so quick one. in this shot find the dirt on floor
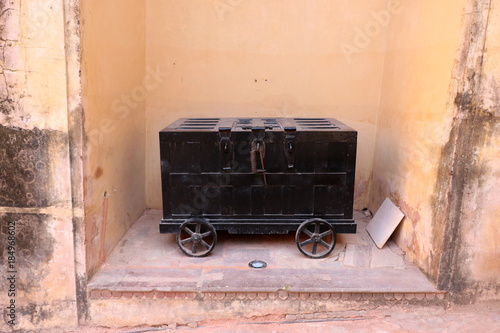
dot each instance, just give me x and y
(483, 317)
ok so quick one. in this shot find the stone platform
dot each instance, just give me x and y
(147, 271)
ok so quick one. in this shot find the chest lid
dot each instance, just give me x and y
(248, 124)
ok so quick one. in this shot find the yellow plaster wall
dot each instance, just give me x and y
(481, 213)
(266, 58)
(113, 99)
(34, 41)
(284, 59)
(35, 177)
(481, 210)
(415, 117)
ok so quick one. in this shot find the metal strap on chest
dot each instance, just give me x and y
(226, 147)
(258, 148)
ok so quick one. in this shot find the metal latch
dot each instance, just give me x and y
(290, 145)
(226, 147)
(258, 148)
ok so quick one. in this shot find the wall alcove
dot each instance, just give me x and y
(87, 85)
(384, 68)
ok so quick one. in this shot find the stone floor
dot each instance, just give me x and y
(146, 261)
(481, 317)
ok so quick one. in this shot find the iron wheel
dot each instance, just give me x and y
(196, 237)
(315, 238)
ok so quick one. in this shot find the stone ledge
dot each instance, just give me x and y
(283, 295)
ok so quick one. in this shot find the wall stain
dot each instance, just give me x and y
(410, 212)
(104, 222)
(468, 173)
(34, 249)
(470, 132)
(26, 158)
(98, 173)
(39, 313)
(461, 172)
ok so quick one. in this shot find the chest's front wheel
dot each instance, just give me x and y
(315, 238)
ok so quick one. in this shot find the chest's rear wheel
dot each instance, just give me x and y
(196, 237)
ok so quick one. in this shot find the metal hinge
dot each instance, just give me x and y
(258, 148)
(226, 147)
(290, 145)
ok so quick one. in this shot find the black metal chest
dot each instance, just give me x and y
(258, 176)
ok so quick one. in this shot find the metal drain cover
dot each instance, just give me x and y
(257, 264)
